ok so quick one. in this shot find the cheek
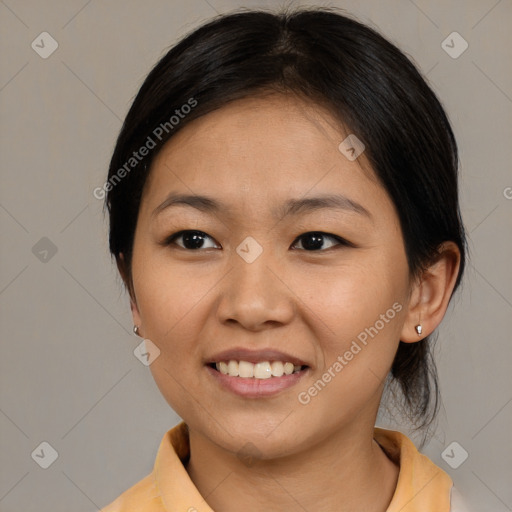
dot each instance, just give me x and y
(362, 307)
(364, 317)
(166, 300)
(348, 299)
(171, 304)
(167, 295)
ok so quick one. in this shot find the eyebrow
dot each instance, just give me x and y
(291, 207)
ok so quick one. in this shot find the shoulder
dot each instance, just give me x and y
(144, 496)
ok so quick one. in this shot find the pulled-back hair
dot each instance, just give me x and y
(366, 82)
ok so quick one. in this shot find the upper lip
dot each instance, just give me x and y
(255, 356)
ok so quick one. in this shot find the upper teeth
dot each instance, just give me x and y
(263, 370)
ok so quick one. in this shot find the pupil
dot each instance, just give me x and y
(193, 240)
(313, 241)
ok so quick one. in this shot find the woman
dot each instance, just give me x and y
(284, 213)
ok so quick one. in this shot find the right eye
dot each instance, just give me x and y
(191, 240)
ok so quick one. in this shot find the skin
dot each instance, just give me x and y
(253, 155)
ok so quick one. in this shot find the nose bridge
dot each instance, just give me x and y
(253, 294)
(254, 277)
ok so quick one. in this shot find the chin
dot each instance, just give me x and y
(263, 439)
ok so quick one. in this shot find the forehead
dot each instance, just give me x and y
(273, 123)
(274, 146)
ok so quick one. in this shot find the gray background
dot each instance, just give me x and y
(68, 373)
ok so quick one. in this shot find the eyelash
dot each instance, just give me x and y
(341, 241)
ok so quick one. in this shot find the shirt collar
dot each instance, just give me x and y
(422, 486)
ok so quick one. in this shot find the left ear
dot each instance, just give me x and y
(431, 294)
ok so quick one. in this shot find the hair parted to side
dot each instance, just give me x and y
(367, 83)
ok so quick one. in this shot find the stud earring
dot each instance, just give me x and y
(418, 329)
(136, 330)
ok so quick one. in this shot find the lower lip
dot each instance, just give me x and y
(256, 388)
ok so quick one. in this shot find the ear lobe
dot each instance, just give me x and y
(431, 294)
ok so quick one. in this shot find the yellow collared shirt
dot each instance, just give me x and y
(422, 486)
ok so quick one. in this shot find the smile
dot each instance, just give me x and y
(260, 370)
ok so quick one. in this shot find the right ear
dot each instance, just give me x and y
(135, 313)
(125, 276)
(121, 267)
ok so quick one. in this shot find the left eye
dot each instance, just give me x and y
(311, 241)
(192, 240)
(314, 240)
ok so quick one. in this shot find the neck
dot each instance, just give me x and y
(347, 472)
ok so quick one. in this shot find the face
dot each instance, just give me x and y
(296, 256)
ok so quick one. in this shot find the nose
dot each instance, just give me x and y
(256, 295)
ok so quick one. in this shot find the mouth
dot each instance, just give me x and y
(260, 370)
(261, 374)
